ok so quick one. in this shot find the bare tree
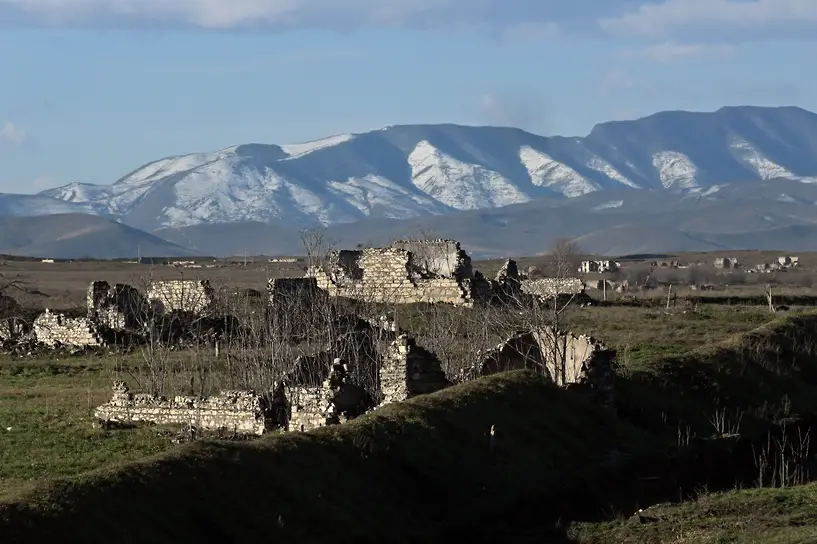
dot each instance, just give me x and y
(317, 246)
(13, 283)
(564, 258)
(563, 261)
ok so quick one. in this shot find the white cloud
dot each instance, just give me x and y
(12, 134)
(670, 51)
(716, 19)
(252, 13)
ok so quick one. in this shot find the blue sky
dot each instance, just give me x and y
(92, 89)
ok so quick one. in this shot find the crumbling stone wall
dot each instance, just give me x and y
(56, 329)
(117, 307)
(409, 370)
(577, 362)
(547, 288)
(192, 296)
(406, 272)
(293, 291)
(520, 351)
(243, 412)
(337, 400)
(440, 257)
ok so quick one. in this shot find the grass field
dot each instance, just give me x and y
(679, 367)
(769, 516)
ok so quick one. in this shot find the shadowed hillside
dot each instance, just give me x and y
(404, 473)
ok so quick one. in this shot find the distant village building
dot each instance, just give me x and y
(727, 262)
(665, 264)
(598, 266)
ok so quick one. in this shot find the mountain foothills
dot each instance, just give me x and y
(670, 181)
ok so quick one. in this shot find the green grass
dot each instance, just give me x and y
(763, 376)
(403, 472)
(769, 516)
(46, 423)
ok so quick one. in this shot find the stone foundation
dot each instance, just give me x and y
(242, 412)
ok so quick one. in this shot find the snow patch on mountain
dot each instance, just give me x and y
(457, 184)
(173, 165)
(750, 156)
(675, 169)
(377, 195)
(299, 150)
(603, 167)
(545, 171)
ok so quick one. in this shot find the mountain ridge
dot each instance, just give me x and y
(406, 171)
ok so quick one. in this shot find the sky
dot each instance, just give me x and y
(92, 89)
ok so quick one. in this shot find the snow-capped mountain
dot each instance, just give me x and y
(413, 170)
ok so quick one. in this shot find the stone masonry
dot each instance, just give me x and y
(547, 288)
(437, 271)
(117, 307)
(409, 370)
(55, 329)
(336, 401)
(242, 412)
(580, 363)
(192, 296)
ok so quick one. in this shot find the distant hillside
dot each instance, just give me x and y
(771, 215)
(72, 236)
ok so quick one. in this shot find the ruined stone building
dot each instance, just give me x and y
(577, 362)
(194, 296)
(406, 272)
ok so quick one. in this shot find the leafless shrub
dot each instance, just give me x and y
(783, 462)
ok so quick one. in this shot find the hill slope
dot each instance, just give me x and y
(73, 236)
(771, 215)
(401, 474)
(408, 171)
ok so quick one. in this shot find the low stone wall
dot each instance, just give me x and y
(181, 295)
(242, 412)
(547, 288)
(54, 329)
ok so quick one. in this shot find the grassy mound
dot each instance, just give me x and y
(759, 377)
(782, 515)
(404, 473)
